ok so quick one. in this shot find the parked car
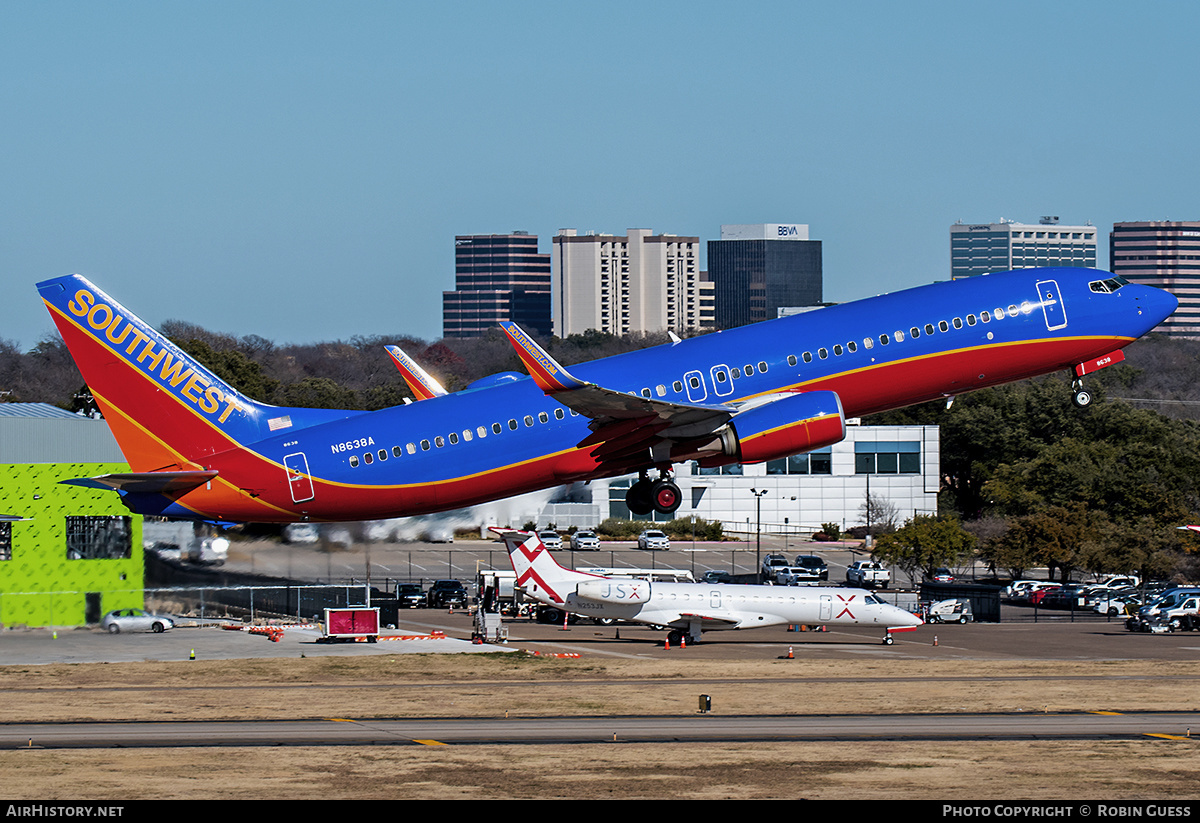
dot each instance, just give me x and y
(942, 576)
(771, 564)
(410, 596)
(135, 620)
(653, 539)
(446, 593)
(717, 577)
(550, 539)
(868, 573)
(1039, 594)
(585, 541)
(810, 567)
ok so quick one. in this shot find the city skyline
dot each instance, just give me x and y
(298, 171)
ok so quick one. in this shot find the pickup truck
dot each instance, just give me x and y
(868, 574)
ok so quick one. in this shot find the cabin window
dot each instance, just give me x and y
(368, 458)
(986, 316)
(558, 413)
(929, 328)
(397, 451)
(512, 424)
(1026, 307)
(852, 347)
(837, 350)
(722, 377)
(411, 448)
(868, 343)
(354, 461)
(453, 439)
(958, 322)
(694, 382)
(645, 392)
(792, 359)
(528, 420)
(424, 445)
(899, 336)
(998, 314)
(762, 366)
(823, 353)
(543, 417)
(497, 428)
(439, 441)
(382, 455)
(970, 320)
(808, 357)
(883, 340)
(481, 431)
(677, 386)
(467, 435)
(914, 332)
(1012, 310)
(660, 390)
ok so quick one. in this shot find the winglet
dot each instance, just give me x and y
(419, 382)
(544, 369)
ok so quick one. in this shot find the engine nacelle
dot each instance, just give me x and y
(799, 422)
(614, 591)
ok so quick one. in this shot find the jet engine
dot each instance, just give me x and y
(789, 424)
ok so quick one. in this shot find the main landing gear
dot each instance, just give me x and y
(646, 495)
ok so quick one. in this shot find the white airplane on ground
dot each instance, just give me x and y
(692, 608)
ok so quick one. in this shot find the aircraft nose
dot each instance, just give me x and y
(1155, 305)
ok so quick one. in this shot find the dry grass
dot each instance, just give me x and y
(490, 685)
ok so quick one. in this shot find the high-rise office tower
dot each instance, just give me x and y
(497, 277)
(1165, 254)
(982, 248)
(761, 268)
(637, 282)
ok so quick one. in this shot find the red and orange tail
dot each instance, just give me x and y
(167, 412)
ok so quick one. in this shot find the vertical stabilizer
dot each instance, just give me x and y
(538, 573)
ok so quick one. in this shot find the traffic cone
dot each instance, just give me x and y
(192, 656)
(683, 642)
(935, 640)
(667, 643)
(790, 655)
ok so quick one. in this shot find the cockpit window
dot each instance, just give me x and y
(873, 600)
(1108, 286)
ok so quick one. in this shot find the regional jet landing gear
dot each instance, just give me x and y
(661, 495)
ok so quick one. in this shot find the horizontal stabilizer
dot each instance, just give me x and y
(146, 482)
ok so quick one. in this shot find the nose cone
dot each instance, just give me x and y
(900, 617)
(1154, 306)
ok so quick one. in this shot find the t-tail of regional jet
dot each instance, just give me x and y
(692, 608)
(198, 448)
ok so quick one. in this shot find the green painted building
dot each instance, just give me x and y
(68, 554)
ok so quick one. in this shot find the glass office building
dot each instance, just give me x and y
(497, 277)
(984, 248)
(1165, 254)
(759, 269)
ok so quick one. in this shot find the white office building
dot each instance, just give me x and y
(982, 248)
(897, 465)
(621, 284)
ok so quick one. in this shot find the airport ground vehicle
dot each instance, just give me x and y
(954, 610)
(446, 593)
(868, 573)
(551, 539)
(585, 541)
(135, 620)
(653, 539)
(347, 625)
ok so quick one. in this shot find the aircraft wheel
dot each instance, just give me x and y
(666, 497)
(888, 640)
(639, 498)
(1082, 398)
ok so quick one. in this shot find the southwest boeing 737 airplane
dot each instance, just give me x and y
(691, 608)
(199, 449)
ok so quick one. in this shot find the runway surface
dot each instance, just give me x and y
(565, 730)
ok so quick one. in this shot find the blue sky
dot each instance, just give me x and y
(298, 170)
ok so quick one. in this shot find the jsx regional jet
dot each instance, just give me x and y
(694, 607)
(197, 448)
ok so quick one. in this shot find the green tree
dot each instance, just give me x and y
(925, 543)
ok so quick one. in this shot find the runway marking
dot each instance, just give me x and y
(1169, 736)
(1118, 714)
(430, 742)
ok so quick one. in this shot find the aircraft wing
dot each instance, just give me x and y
(708, 620)
(622, 423)
(419, 382)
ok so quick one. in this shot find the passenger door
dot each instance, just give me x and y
(1051, 301)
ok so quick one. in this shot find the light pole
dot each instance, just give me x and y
(758, 495)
